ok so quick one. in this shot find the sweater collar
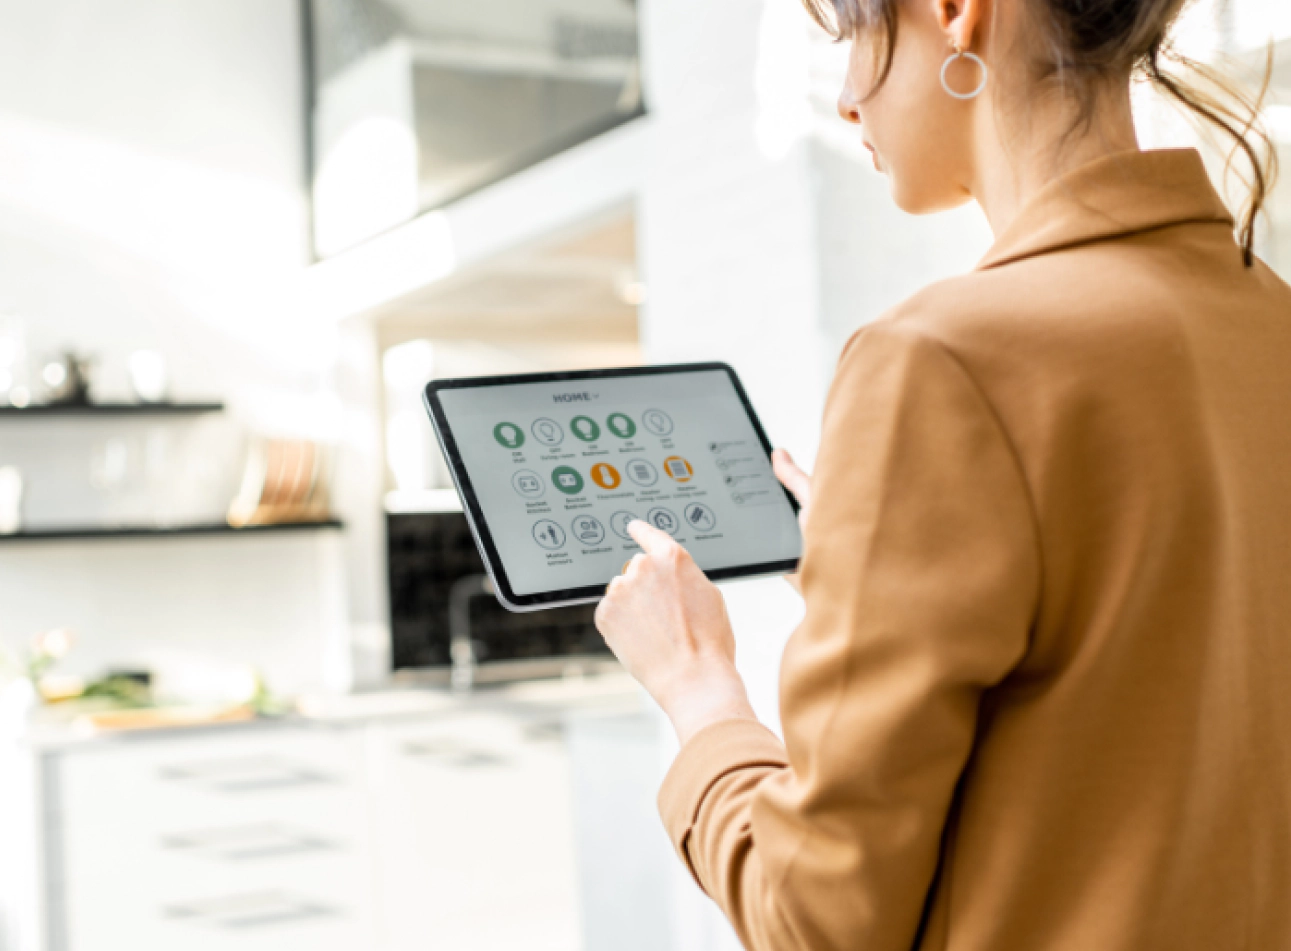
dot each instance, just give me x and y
(1113, 196)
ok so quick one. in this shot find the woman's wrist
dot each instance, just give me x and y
(706, 697)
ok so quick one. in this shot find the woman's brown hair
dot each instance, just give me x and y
(1084, 44)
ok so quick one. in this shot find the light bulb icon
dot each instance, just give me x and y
(658, 422)
(508, 435)
(621, 425)
(585, 428)
(548, 431)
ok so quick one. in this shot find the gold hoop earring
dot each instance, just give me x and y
(961, 53)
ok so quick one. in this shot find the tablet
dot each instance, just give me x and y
(552, 467)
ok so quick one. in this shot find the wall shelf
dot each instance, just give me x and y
(110, 409)
(149, 532)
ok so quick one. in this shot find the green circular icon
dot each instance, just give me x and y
(509, 435)
(567, 480)
(585, 428)
(621, 425)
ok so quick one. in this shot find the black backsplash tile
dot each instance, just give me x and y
(427, 553)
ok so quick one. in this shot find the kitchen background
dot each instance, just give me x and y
(253, 689)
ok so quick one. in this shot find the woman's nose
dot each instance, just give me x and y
(848, 109)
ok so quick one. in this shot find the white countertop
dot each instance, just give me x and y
(589, 695)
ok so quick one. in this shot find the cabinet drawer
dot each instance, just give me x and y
(203, 841)
(174, 778)
(241, 920)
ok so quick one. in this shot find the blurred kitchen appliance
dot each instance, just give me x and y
(429, 552)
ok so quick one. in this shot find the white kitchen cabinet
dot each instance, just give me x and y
(474, 834)
(448, 824)
(247, 838)
(625, 861)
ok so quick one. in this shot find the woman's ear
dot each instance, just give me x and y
(960, 19)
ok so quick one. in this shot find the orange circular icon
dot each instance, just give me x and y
(678, 469)
(606, 476)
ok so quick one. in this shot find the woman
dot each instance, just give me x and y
(1041, 695)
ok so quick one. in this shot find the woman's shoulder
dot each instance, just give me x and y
(1042, 312)
(1019, 300)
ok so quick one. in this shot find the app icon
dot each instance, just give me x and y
(508, 435)
(585, 428)
(663, 520)
(527, 483)
(678, 469)
(619, 522)
(548, 534)
(567, 480)
(621, 425)
(642, 473)
(588, 530)
(700, 517)
(606, 476)
(657, 421)
(547, 432)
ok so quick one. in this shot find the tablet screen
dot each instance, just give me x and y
(559, 467)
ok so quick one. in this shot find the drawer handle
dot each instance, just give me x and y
(249, 910)
(545, 731)
(456, 754)
(244, 774)
(247, 843)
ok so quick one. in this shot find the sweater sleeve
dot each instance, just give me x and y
(921, 576)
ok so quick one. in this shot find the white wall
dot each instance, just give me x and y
(151, 181)
(264, 602)
(152, 194)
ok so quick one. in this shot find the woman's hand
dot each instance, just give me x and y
(798, 483)
(667, 623)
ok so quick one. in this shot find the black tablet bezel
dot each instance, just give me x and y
(475, 514)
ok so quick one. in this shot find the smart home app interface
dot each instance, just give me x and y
(561, 468)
